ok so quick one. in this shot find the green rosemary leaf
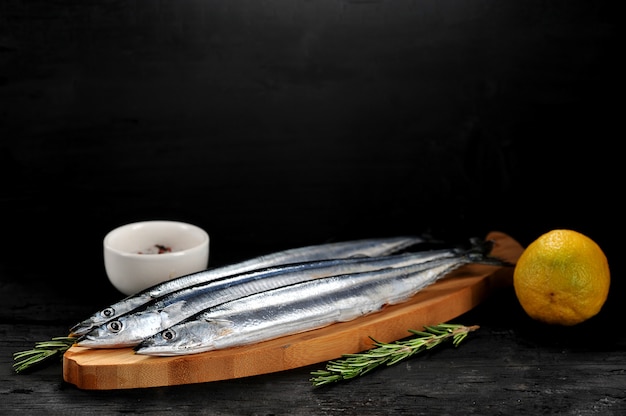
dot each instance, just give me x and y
(43, 352)
(359, 364)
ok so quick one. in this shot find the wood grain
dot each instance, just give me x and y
(107, 369)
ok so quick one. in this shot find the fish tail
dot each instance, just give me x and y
(480, 252)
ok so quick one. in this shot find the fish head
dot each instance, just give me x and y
(123, 331)
(189, 337)
(97, 319)
(109, 313)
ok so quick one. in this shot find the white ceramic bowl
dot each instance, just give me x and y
(132, 259)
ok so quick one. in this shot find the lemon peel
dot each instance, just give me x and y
(562, 278)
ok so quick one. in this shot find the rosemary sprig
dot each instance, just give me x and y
(355, 365)
(43, 352)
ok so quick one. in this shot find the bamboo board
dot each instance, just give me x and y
(462, 290)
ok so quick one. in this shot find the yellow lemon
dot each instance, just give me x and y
(562, 278)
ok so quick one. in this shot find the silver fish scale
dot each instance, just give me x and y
(365, 247)
(131, 328)
(298, 308)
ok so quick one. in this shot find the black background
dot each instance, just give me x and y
(281, 123)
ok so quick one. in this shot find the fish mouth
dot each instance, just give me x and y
(80, 329)
(85, 341)
(145, 347)
(156, 351)
(139, 346)
(88, 340)
(95, 341)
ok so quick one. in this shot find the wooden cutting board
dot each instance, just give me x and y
(107, 369)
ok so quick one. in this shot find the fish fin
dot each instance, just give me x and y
(174, 308)
(225, 326)
(221, 321)
(155, 293)
(358, 256)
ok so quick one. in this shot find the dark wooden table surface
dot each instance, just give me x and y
(511, 365)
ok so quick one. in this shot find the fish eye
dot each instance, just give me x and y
(115, 326)
(168, 334)
(108, 312)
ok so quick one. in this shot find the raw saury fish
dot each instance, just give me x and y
(301, 307)
(345, 249)
(131, 328)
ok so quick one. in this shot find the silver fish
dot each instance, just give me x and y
(131, 328)
(300, 307)
(346, 249)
